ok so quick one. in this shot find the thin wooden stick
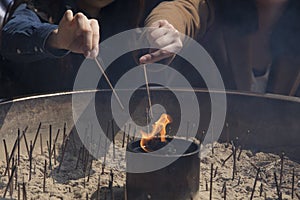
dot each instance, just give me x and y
(148, 91)
(108, 81)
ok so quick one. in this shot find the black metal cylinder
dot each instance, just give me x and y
(177, 181)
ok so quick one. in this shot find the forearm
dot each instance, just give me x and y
(182, 14)
(24, 37)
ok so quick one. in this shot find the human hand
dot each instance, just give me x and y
(163, 36)
(77, 34)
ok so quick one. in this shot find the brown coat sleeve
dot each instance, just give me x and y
(182, 14)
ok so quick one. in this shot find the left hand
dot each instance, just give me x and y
(165, 38)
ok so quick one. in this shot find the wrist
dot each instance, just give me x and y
(52, 41)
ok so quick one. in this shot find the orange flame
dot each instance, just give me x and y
(158, 127)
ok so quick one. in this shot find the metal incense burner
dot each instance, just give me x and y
(179, 180)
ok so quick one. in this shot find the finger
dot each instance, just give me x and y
(155, 56)
(159, 23)
(84, 31)
(96, 36)
(68, 16)
(155, 34)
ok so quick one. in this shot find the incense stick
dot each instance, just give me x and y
(148, 90)
(108, 81)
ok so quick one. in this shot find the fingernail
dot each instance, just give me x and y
(94, 53)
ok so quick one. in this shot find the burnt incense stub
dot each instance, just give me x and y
(179, 180)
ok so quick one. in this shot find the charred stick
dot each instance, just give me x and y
(260, 189)
(225, 191)
(255, 181)
(211, 181)
(110, 184)
(24, 191)
(55, 140)
(277, 187)
(227, 159)
(19, 146)
(16, 179)
(19, 192)
(206, 185)
(239, 155)
(7, 157)
(128, 134)
(281, 169)
(41, 143)
(111, 179)
(104, 159)
(54, 153)
(63, 153)
(223, 187)
(234, 160)
(45, 176)
(89, 172)
(227, 133)
(26, 145)
(98, 189)
(14, 163)
(9, 181)
(87, 196)
(234, 164)
(216, 171)
(36, 134)
(239, 181)
(50, 146)
(293, 183)
(123, 140)
(30, 160)
(113, 138)
(78, 158)
(11, 156)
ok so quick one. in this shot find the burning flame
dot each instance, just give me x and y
(158, 127)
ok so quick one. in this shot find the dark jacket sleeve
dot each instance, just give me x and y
(24, 37)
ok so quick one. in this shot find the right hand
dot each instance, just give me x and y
(77, 34)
